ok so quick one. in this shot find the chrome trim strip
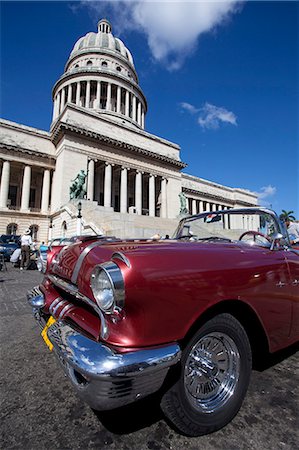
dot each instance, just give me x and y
(66, 309)
(73, 290)
(81, 259)
(53, 304)
(121, 257)
(60, 304)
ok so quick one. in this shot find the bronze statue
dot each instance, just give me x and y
(183, 203)
(77, 188)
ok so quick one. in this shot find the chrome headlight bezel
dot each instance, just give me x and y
(116, 281)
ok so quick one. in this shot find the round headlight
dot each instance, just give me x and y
(102, 289)
(107, 286)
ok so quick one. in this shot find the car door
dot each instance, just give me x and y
(292, 258)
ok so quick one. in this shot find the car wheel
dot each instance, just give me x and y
(215, 373)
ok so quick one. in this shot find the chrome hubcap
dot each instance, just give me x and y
(211, 372)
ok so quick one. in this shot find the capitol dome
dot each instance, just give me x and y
(101, 42)
(100, 75)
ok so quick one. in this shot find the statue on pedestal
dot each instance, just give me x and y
(77, 188)
(183, 203)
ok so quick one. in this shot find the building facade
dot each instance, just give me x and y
(133, 178)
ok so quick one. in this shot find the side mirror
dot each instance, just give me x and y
(274, 238)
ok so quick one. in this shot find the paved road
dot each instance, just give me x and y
(39, 409)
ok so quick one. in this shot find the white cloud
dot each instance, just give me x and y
(172, 27)
(188, 107)
(210, 116)
(265, 193)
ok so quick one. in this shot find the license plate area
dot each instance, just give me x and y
(45, 335)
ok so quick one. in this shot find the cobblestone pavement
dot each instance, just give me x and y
(39, 409)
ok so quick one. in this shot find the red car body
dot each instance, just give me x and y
(171, 288)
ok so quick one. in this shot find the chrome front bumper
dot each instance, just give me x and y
(102, 377)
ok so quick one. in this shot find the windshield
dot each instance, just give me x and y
(251, 227)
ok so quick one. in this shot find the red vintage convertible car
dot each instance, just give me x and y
(185, 316)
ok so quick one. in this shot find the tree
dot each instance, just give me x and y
(287, 215)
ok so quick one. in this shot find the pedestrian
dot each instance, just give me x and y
(26, 243)
(293, 231)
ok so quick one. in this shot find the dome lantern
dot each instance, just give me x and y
(104, 26)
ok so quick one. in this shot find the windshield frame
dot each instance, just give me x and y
(281, 228)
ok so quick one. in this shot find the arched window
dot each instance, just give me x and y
(63, 228)
(34, 232)
(11, 228)
(118, 68)
(104, 64)
(89, 63)
(76, 66)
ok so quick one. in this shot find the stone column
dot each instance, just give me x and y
(98, 100)
(58, 103)
(200, 206)
(134, 108)
(142, 119)
(139, 113)
(138, 192)
(214, 207)
(78, 93)
(151, 196)
(69, 93)
(107, 187)
(127, 104)
(90, 180)
(54, 108)
(87, 99)
(193, 206)
(26, 189)
(45, 192)
(108, 106)
(123, 190)
(62, 99)
(4, 184)
(118, 99)
(163, 198)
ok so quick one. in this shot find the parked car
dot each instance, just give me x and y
(186, 316)
(8, 244)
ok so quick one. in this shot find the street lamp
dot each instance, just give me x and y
(50, 230)
(79, 210)
(79, 217)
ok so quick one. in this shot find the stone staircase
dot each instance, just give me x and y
(105, 221)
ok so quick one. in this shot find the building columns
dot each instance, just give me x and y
(138, 192)
(193, 206)
(78, 93)
(127, 104)
(163, 198)
(90, 180)
(118, 99)
(107, 187)
(152, 196)
(123, 190)
(26, 189)
(45, 192)
(4, 184)
(87, 100)
(139, 113)
(62, 99)
(134, 108)
(108, 105)
(69, 93)
(98, 100)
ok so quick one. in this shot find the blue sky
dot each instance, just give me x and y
(221, 80)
